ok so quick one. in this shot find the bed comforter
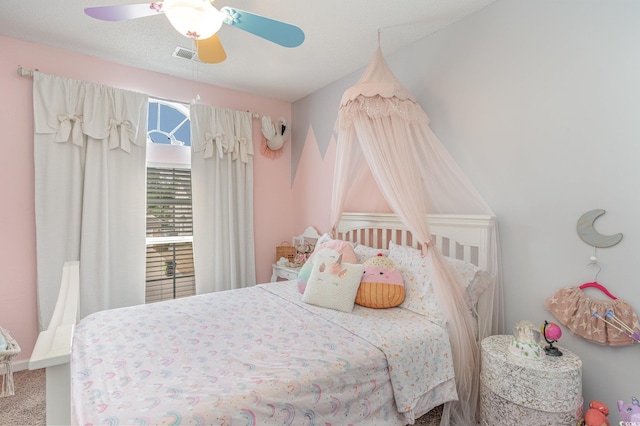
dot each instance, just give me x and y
(257, 356)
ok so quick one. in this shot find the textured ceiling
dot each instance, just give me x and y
(340, 37)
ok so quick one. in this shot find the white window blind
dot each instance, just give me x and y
(170, 273)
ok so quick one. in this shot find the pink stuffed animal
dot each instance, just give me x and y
(630, 412)
(597, 414)
(381, 285)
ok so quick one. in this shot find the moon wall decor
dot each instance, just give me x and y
(588, 233)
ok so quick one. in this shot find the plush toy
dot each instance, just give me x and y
(329, 250)
(333, 284)
(630, 412)
(596, 415)
(381, 285)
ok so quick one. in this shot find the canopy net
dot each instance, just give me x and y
(382, 127)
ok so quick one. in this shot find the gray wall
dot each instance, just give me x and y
(538, 101)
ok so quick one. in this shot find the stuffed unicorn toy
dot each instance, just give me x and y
(333, 284)
(630, 412)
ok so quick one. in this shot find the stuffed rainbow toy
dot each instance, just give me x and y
(381, 285)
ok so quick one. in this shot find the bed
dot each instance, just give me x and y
(260, 355)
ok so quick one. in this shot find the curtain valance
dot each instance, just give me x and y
(70, 109)
(220, 131)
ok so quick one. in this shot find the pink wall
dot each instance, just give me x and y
(313, 188)
(273, 197)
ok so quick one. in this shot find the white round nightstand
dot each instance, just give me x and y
(516, 390)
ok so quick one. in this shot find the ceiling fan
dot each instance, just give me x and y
(200, 20)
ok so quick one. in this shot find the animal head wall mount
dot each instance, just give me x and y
(274, 136)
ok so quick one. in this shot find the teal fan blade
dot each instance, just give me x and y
(278, 32)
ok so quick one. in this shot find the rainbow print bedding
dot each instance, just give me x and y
(257, 356)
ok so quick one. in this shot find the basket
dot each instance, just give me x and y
(287, 251)
(6, 356)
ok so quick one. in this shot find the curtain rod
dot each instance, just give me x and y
(25, 73)
(29, 73)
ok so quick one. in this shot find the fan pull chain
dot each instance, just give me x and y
(194, 74)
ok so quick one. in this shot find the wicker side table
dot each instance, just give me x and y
(517, 390)
(6, 356)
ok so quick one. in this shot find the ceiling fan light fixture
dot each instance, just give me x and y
(196, 19)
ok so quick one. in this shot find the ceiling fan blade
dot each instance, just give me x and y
(124, 12)
(281, 33)
(210, 50)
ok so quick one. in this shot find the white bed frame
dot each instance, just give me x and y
(53, 347)
(466, 237)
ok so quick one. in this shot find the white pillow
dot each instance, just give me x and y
(419, 295)
(365, 252)
(475, 280)
(334, 248)
(333, 285)
(323, 239)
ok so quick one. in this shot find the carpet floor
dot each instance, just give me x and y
(28, 406)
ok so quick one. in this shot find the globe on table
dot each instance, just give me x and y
(551, 333)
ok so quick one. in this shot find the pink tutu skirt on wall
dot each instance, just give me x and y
(574, 309)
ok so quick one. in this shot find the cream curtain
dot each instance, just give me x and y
(89, 152)
(381, 126)
(222, 194)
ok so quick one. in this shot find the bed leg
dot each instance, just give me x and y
(59, 394)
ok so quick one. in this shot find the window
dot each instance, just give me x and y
(169, 123)
(169, 259)
(169, 235)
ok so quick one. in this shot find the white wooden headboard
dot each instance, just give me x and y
(465, 237)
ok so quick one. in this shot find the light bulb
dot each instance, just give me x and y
(196, 19)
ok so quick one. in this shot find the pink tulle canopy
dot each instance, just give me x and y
(382, 127)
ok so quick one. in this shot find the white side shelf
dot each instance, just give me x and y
(284, 272)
